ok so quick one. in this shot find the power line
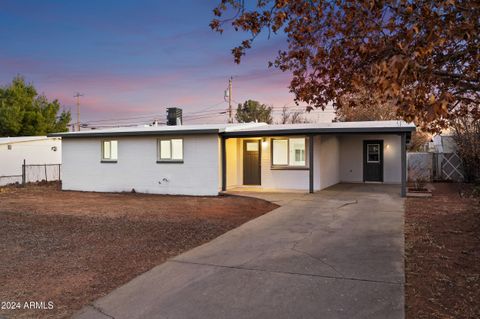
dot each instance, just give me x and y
(126, 118)
(154, 115)
(190, 116)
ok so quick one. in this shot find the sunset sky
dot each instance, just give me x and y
(132, 59)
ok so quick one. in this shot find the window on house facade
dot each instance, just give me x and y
(373, 153)
(170, 150)
(109, 150)
(289, 152)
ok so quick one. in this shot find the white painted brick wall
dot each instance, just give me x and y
(137, 167)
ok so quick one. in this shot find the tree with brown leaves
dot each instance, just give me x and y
(363, 107)
(422, 57)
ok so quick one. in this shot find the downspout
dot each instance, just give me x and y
(310, 163)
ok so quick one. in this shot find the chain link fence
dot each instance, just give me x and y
(10, 179)
(32, 173)
(40, 172)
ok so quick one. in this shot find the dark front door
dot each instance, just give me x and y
(251, 162)
(373, 161)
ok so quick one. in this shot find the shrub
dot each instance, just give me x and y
(467, 137)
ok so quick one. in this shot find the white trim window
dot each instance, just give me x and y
(373, 153)
(289, 152)
(109, 151)
(170, 150)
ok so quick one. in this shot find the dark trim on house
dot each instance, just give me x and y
(133, 133)
(381, 162)
(308, 131)
(223, 155)
(244, 150)
(289, 168)
(310, 162)
(169, 162)
(107, 161)
(245, 133)
(403, 145)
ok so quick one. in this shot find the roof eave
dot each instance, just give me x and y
(345, 130)
(134, 133)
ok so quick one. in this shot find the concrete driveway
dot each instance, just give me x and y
(337, 253)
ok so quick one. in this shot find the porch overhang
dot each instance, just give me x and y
(264, 132)
(259, 132)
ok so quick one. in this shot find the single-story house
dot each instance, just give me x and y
(34, 150)
(209, 158)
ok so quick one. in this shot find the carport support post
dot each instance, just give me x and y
(223, 152)
(403, 143)
(310, 163)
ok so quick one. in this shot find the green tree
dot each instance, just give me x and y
(254, 111)
(23, 112)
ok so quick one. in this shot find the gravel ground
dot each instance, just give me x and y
(442, 247)
(70, 248)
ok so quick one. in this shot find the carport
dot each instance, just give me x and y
(311, 157)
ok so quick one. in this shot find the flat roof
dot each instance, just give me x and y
(21, 139)
(159, 130)
(250, 129)
(325, 128)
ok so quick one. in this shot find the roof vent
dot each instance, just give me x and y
(174, 116)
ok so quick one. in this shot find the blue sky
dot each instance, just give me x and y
(135, 58)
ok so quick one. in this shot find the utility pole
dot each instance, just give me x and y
(78, 95)
(230, 119)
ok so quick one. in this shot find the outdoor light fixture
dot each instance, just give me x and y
(264, 141)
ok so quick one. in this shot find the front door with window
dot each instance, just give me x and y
(251, 162)
(373, 161)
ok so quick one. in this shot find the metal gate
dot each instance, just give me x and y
(447, 167)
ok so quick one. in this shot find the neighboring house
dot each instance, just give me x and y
(443, 144)
(445, 161)
(32, 149)
(207, 159)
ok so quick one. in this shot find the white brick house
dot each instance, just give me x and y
(208, 159)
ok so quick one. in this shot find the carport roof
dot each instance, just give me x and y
(325, 128)
(251, 129)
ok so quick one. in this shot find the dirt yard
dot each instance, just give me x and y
(70, 248)
(442, 246)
